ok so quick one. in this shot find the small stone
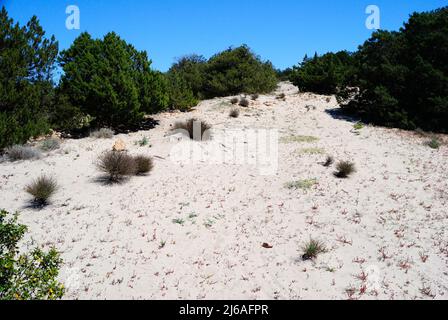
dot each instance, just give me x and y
(119, 145)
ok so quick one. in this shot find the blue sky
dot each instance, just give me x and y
(282, 31)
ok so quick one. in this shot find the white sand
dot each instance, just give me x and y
(110, 236)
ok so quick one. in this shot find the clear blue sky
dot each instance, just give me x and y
(279, 30)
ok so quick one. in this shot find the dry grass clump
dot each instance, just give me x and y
(143, 164)
(328, 162)
(234, 100)
(312, 249)
(255, 96)
(344, 169)
(311, 151)
(234, 113)
(244, 103)
(281, 96)
(50, 144)
(16, 153)
(42, 189)
(197, 130)
(117, 165)
(104, 133)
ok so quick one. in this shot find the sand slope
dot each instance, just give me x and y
(385, 228)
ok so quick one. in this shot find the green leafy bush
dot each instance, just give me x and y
(27, 60)
(403, 76)
(28, 276)
(111, 81)
(238, 70)
(324, 74)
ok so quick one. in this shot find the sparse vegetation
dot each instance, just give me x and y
(311, 151)
(197, 130)
(329, 161)
(50, 144)
(301, 184)
(234, 113)
(179, 221)
(143, 142)
(255, 96)
(434, 143)
(234, 100)
(299, 139)
(16, 153)
(358, 126)
(117, 165)
(143, 164)
(42, 189)
(344, 169)
(103, 133)
(281, 96)
(312, 249)
(244, 103)
(28, 276)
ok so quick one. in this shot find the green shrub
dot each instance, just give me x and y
(312, 249)
(324, 74)
(117, 165)
(42, 189)
(434, 143)
(27, 61)
(180, 93)
(111, 81)
(28, 276)
(403, 76)
(238, 70)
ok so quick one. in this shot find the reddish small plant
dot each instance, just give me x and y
(424, 257)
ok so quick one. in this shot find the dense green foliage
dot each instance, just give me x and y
(111, 81)
(30, 276)
(238, 70)
(324, 74)
(233, 71)
(403, 76)
(26, 71)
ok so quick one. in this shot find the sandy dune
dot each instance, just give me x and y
(195, 231)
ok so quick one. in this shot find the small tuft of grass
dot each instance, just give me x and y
(312, 249)
(281, 96)
(299, 139)
(329, 161)
(197, 130)
(104, 133)
(434, 143)
(17, 153)
(42, 189)
(50, 144)
(179, 221)
(311, 151)
(234, 100)
(358, 126)
(345, 169)
(301, 184)
(144, 164)
(117, 165)
(244, 103)
(234, 113)
(143, 142)
(255, 96)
